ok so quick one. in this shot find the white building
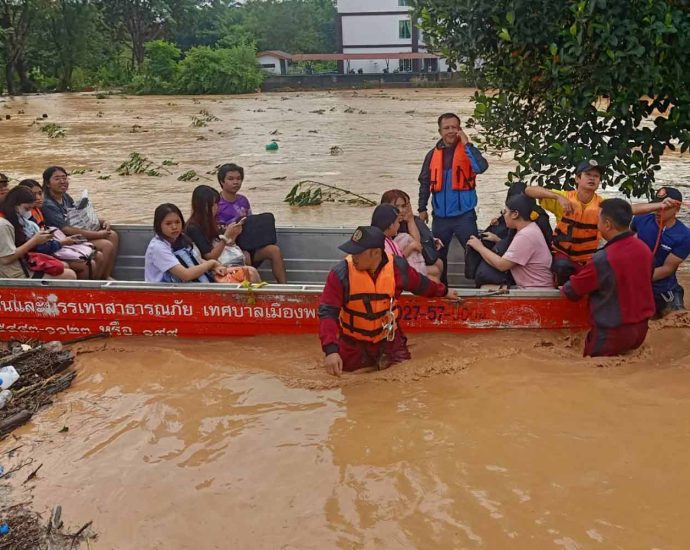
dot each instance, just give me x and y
(381, 26)
(274, 61)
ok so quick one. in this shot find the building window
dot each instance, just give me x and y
(403, 2)
(405, 65)
(268, 65)
(405, 29)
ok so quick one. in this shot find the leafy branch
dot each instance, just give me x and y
(313, 193)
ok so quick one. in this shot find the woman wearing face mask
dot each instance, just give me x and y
(15, 244)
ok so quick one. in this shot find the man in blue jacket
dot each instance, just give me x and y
(449, 176)
(669, 240)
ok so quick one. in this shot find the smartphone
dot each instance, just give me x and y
(52, 230)
(242, 220)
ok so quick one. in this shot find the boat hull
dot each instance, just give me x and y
(63, 311)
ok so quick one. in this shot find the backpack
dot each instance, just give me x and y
(188, 259)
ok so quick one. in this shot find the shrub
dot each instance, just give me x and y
(205, 70)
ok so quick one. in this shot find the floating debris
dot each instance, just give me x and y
(53, 130)
(314, 193)
(189, 175)
(80, 171)
(336, 150)
(138, 164)
(318, 111)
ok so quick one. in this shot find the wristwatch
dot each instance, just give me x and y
(224, 239)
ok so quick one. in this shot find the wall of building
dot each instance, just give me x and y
(266, 60)
(348, 6)
(361, 30)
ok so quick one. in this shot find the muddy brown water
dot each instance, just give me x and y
(508, 440)
(383, 135)
(499, 440)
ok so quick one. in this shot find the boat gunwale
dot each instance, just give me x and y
(215, 288)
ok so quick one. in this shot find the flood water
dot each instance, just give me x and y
(496, 440)
(383, 136)
(481, 441)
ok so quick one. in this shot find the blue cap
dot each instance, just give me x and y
(587, 165)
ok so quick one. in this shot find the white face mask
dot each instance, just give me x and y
(26, 214)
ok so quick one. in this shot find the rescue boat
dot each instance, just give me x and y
(67, 310)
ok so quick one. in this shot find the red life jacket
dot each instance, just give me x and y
(463, 179)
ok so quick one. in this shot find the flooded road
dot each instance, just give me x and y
(383, 135)
(501, 440)
(508, 440)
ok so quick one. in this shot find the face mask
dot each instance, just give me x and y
(26, 214)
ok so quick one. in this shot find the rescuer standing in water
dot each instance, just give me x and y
(357, 314)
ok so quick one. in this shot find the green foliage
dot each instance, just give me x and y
(53, 130)
(138, 164)
(561, 81)
(205, 70)
(313, 193)
(161, 60)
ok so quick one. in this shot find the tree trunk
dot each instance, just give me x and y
(25, 84)
(9, 77)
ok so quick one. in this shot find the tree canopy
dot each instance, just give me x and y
(563, 81)
(67, 44)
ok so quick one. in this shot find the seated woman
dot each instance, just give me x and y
(233, 207)
(82, 258)
(55, 206)
(497, 237)
(528, 257)
(15, 244)
(202, 229)
(170, 256)
(412, 233)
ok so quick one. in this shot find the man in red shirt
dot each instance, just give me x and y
(618, 281)
(358, 311)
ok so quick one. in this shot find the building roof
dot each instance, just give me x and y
(361, 56)
(275, 53)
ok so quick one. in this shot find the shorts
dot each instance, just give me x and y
(357, 355)
(604, 342)
(671, 300)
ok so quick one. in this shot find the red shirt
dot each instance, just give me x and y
(332, 299)
(618, 281)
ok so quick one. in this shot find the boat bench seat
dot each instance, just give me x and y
(309, 254)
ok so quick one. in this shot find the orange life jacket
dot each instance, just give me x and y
(576, 235)
(368, 303)
(464, 178)
(38, 216)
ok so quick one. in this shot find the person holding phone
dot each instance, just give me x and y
(15, 243)
(448, 176)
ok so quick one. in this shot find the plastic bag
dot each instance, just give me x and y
(83, 215)
(232, 255)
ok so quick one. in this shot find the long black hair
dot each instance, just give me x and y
(159, 215)
(48, 173)
(16, 196)
(203, 200)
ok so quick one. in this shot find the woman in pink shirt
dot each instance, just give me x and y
(528, 257)
(387, 219)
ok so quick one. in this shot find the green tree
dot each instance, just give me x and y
(15, 21)
(146, 20)
(206, 70)
(560, 81)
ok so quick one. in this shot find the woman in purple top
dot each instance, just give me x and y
(233, 207)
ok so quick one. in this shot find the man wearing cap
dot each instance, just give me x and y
(357, 313)
(576, 237)
(448, 176)
(669, 240)
(618, 284)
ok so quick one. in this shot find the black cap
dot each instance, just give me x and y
(384, 216)
(364, 238)
(667, 193)
(587, 165)
(522, 204)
